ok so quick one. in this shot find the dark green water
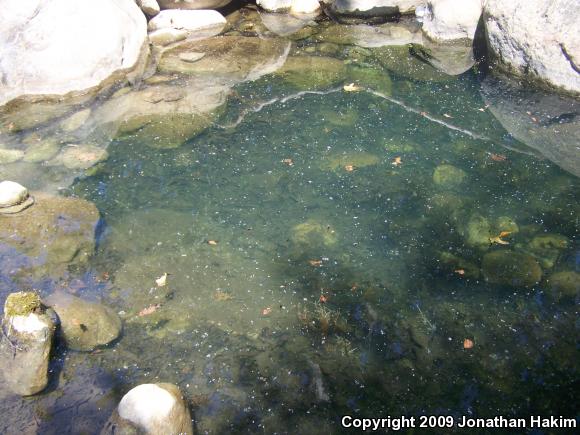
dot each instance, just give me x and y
(329, 255)
(384, 245)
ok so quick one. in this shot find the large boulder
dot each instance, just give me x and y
(25, 344)
(534, 38)
(151, 409)
(84, 325)
(373, 8)
(193, 4)
(63, 46)
(189, 21)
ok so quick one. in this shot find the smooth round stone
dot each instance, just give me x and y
(10, 156)
(12, 193)
(191, 56)
(82, 156)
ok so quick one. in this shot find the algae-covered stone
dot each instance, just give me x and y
(338, 162)
(511, 268)
(448, 176)
(312, 72)
(10, 156)
(506, 224)
(547, 248)
(346, 117)
(400, 60)
(81, 156)
(313, 232)
(76, 120)
(477, 231)
(41, 151)
(565, 284)
(25, 345)
(84, 325)
(454, 263)
(373, 78)
(54, 234)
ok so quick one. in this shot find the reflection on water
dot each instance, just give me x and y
(329, 254)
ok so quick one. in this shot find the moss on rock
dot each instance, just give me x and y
(21, 304)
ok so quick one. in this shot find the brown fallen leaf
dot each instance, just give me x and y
(266, 311)
(499, 238)
(162, 280)
(497, 157)
(149, 310)
(468, 344)
(349, 168)
(459, 271)
(351, 88)
(212, 242)
(315, 263)
(288, 162)
(397, 161)
(323, 299)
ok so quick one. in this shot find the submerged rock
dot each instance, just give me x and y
(151, 409)
(403, 61)
(41, 151)
(10, 156)
(565, 284)
(477, 231)
(25, 345)
(193, 4)
(80, 156)
(449, 176)
(55, 234)
(314, 233)
(511, 268)
(84, 325)
(312, 72)
(547, 248)
(292, 6)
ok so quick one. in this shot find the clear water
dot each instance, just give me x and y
(310, 273)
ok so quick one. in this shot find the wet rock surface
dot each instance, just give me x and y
(56, 233)
(84, 325)
(512, 269)
(26, 342)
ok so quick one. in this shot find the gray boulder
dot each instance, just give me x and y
(207, 23)
(84, 325)
(62, 46)
(25, 344)
(149, 7)
(535, 39)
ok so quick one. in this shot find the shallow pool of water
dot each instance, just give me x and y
(374, 251)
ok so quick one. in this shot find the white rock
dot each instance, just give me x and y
(452, 19)
(366, 8)
(167, 36)
(535, 38)
(191, 21)
(149, 7)
(286, 24)
(193, 4)
(62, 46)
(12, 193)
(156, 409)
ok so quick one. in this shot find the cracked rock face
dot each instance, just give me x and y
(533, 38)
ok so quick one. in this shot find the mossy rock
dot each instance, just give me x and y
(340, 117)
(565, 284)
(547, 248)
(373, 78)
(452, 263)
(399, 60)
(477, 231)
(510, 268)
(21, 304)
(312, 72)
(42, 151)
(10, 156)
(313, 232)
(449, 176)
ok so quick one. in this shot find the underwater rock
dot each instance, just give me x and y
(367, 36)
(453, 263)
(76, 120)
(25, 345)
(42, 151)
(193, 4)
(546, 248)
(340, 118)
(80, 156)
(450, 58)
(337, 162)
(506, 224)
(10, 156)
(376, 79)
(151, 409)
(84, 325)
(292, 6)
(313, 232)
(448, 176)
(565, 284)
(511, 268)
(312, 72)
(55, 234)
